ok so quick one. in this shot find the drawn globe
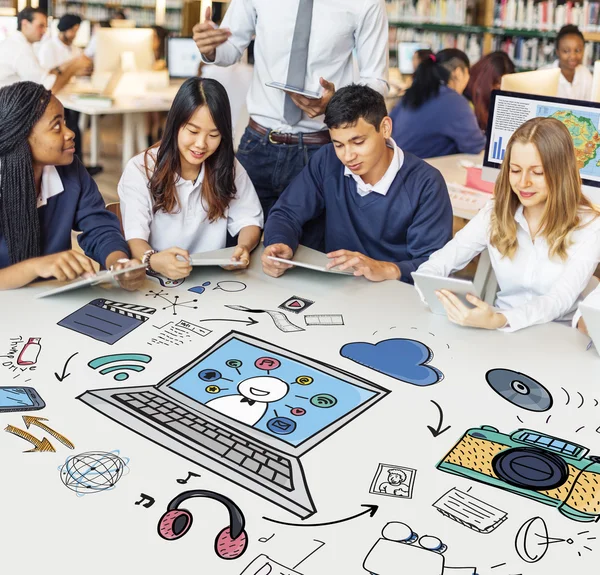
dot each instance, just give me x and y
(92, 471)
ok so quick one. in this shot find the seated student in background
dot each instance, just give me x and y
(433, 118)
(575, 80)
(183, 195)
(385, 211)
(541, 232)
(421, 55)
(45, 194)
(486, 76)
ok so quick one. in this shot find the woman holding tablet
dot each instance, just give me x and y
(542, 234)
(45, 193)
(183, 195)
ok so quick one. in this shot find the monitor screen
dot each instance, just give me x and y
(406, 51)
(14, 397)
(8, 25)
(508, 110)
(278, 394)
(183, 57)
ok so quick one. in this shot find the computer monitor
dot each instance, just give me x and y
(540, 82)
(508, 110)
(84, 34)
(183, 57)
(406, 51)
(111, 44)
(8, 25)
(595, 97)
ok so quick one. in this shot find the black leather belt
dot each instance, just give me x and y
(310, 138)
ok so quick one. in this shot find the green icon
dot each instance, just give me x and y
(323, 400)
(234, 363)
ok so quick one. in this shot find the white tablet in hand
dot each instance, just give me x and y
(288, 88)
(428, 285)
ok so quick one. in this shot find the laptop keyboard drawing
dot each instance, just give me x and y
(246, 410)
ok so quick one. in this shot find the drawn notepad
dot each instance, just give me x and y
(470, 511)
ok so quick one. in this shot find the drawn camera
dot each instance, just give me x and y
(538, 466)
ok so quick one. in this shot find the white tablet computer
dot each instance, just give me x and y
(428, 285)
(288, 88)
(314, 263)
(591, 315)
(215, 258)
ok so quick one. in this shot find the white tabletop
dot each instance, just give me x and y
(48, 528)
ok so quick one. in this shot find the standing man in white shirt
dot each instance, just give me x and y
(18, 62)
(308, 44)
(58, 51)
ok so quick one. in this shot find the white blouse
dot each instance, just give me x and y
(534, 289)
(188, 228)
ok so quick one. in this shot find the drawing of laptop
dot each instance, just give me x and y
(247, 410)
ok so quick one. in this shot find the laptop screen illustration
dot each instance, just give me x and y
(271, 392)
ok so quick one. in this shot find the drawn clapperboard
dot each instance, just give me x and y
(107, 320)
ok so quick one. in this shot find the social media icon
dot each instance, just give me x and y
(267, 363)
(213, 389)
(304, 380)
(281, 425)
(209, 375)
(324, 400)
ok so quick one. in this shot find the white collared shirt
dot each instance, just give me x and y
(54, 52)
(579, 89)
(383, 185)
(188, 228)
(338, 28)
(18, 63)
(534, 289)
(51, 185)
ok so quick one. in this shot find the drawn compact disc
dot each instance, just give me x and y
(519, 389)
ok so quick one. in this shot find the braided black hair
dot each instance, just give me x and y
(21, 106)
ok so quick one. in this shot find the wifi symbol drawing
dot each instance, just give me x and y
(323, 400)
(122, 369)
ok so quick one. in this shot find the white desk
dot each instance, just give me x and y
(132, 108)
(47, 528)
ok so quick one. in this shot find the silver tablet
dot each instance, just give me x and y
(428, 285)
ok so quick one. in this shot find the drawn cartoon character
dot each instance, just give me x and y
(255, 393)
(396, 483)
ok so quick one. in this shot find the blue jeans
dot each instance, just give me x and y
(271, 168)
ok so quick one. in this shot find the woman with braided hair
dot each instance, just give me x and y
(45, 193)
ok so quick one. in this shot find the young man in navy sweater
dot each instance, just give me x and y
(384, 211)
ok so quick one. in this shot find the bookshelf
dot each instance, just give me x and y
(143, 12)
(525, 29)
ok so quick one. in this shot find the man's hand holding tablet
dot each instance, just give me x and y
(373, 270)
(273, 268)
(311, 106)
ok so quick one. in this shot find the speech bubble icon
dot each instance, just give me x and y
(234, 363)
(230, 286)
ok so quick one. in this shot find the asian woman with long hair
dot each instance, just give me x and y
(183, 195)
(541, 232)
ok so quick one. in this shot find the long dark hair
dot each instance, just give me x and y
(218, 187)
(485, 77)
(432, 73)
(21, 106)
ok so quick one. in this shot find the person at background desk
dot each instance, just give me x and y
(433, 118)
(385, 211)
(486, 75)
(183, 196)
(18, 61)
(155, 120)
(575, 80)
(45, 194)
(541, 232)
(307, 44)
(59, 51)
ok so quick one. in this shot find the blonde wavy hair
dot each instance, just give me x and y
(565, 203)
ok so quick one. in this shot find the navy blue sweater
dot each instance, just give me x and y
(79, 207)
(443, 125)
(408, 224)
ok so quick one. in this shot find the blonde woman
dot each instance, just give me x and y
(542, 234)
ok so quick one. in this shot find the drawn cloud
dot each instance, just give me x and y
(403, 359)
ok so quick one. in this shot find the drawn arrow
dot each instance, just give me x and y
(370, 509)
(43, 445)
(30, 420)
(65, 375)
(439, 430)
(249, 321)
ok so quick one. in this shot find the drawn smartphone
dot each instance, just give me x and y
(20, 399)
(288, 88)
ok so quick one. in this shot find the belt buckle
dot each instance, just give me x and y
(273, 132)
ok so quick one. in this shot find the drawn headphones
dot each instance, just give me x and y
(231, 542)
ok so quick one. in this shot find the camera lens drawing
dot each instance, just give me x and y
(93, 471)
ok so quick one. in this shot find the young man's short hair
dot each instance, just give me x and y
(353, 102)
(28, 14)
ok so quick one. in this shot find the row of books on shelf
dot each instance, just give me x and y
(458, 12)
(175, 4)
(173, 20)
(547, 15)
(470, 44)
(533, 53)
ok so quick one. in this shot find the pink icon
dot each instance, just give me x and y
(298, 411)
(267, 363)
